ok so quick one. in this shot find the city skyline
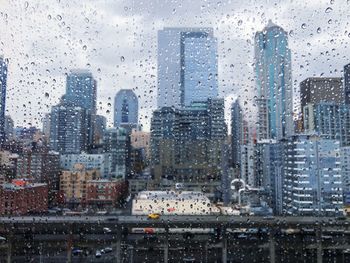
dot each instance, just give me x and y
(309, 54)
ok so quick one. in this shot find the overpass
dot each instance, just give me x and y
(69, 227)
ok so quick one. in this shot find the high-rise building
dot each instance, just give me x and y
(3, 85)
(126, 109)
(269, 171)
(187, 66)
(325, 89)
(274, 83)
(347, 83)
(117, 149)
(236, 132)
(312, 183)
(81, 90)
(46, 125)
(345, 168)
(9, 128)
(187, 144)
(70, 129)
(328, 120)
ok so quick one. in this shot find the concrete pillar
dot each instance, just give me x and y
(118, 251)
(69, 247)
(319, 244)
(166, 245)
(224, 245)
(9, 250)
(272, 245)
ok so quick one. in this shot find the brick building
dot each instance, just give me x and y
(21, 197)
(105, 194)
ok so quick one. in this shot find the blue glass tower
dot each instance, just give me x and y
(126, 108)
(81, 90)
(187, 66)
(274, 84)
(3, 79)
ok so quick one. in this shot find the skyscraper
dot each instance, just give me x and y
(81, 90)
(274, 83)
(316, 90)
(347, 83)
(187, 66)
(126, 109)
(312, 183)
(187, 145)
(236, 132)
(3, 79)
(70, 129)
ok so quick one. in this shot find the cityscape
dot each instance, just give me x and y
(194, 187)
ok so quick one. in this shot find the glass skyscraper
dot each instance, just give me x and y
(81, 89)
(3, 79)
(187, 66)
(126, 108)
(274, 84)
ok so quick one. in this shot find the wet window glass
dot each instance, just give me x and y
(174, 131)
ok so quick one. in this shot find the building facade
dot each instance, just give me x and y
(347, 83)
(73, 184)
(117, 149)
(126, 109)
(328, 120)
(236, 133)
(70, 129)
(312, 183)
(21, 198)
(274, 83)
(81, 90)
(187, 66)
(186, 144)
(3, 86)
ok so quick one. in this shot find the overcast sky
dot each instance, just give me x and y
(117, 42)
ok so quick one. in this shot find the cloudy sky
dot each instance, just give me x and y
(117, 42)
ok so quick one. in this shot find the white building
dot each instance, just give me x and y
(90, 161)
(172, 203)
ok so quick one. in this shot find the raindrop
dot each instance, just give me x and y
(49, 17)
(303, 26)
(59, 17)
(84, 47)
(240, 22)
(47, 95)
(26, 4)
(122, 59)
(318, 30)
(291, 33)
(328, 10)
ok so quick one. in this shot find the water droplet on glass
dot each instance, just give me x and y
(26, 4)
(328, 10)
(84, 47)
(291, 33)
(122, 59)
(318, 30)
(303, 26)
(59, 18)
(240, 22)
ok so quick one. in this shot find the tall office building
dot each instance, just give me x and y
(269, 171)
(347, 83)
(126, 109)
(328, 120)
(187, 145)
(236, 133)
(312, 183)
(70, 129)
(117, 152)
(3, 81)
(187, 66)
(274, 83)
(325, 89)
(81, 90)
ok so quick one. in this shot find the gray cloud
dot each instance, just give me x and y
(43, 41)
